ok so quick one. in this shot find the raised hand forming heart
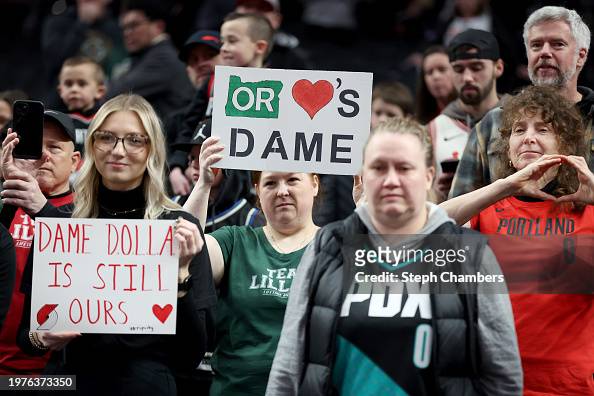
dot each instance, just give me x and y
(530, 180)
(585, 191)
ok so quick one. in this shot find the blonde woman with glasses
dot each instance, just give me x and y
(123, 177)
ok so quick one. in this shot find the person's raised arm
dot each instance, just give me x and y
(197, 203)
(217, 262)
(527, 181)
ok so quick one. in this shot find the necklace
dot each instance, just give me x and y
(276, 245)
(119, 212)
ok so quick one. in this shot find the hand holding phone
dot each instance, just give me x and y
(27, 122)
(13, 167)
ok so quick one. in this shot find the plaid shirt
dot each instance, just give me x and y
(480, 164)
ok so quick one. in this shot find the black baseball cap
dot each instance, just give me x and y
(63, 121)
(201, 133)
(473, 44)
(209, 38)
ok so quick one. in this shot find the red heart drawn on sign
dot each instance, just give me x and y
(312, 97)
(162, 313)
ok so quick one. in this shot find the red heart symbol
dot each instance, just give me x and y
(312, 97)
(162, 313)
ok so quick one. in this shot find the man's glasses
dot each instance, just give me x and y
(107, 141)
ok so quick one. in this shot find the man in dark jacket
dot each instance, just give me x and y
(155, 72)
(86, 29)
(474, 56)
(200, 53)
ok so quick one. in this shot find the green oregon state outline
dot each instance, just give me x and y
(235, 83)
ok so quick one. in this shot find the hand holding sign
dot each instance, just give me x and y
(190, 243)
(209, 155)
(359, 197)
(56, 341)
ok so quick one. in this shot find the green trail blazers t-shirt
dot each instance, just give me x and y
(251, 308)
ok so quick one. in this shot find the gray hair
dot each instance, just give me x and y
(579, 30)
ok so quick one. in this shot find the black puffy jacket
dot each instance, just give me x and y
(455, 315)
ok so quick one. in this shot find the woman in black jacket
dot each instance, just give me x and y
(127, 181)
(360, 320)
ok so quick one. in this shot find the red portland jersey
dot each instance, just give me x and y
(12, 359)
(555, 331)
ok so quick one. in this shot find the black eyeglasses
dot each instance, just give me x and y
(133, 144)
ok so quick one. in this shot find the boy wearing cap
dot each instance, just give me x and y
(474, 56)
(200, 53)
(59, 159)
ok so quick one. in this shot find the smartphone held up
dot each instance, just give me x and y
(27, 122)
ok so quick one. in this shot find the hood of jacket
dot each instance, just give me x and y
(586, 105)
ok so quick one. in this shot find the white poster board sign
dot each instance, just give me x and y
(292, 120)
(104, 276)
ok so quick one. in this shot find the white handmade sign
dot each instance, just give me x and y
(292, 120)
(104, 276)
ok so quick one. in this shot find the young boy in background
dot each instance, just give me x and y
(81, 87)
(246, 41)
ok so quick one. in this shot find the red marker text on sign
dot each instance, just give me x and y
(63, 238)
(137, 240)
(56, 274)
(94, 310)
(126, 277)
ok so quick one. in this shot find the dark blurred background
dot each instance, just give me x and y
(385, 37)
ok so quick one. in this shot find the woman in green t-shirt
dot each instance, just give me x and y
(254, 268)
